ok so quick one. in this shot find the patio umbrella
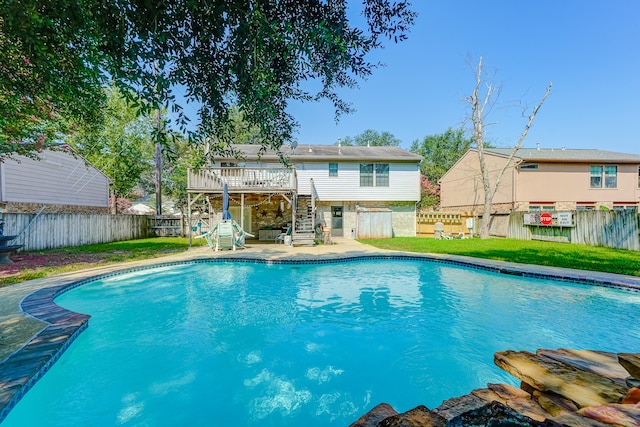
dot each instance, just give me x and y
(225, 202)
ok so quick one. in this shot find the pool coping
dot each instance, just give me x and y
(24, 367)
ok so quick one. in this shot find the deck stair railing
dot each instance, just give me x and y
(304, 233)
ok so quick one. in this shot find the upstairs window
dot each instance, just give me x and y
(382, 175)
(611, 177)
(638, 176)
(366, 174)
(529, 166)
(374, 174)
(333, 169)
(603, 176)
(596, 177)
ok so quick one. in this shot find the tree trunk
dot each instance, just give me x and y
(478, 103)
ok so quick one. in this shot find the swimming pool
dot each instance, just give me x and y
(229, 343)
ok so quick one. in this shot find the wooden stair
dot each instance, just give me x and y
(304, 234)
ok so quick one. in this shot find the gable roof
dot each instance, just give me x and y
(329, 153)
(567, 155)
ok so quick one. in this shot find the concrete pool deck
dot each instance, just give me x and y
(25, 353)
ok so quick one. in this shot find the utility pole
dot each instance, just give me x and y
(158, 150)
(158, 167)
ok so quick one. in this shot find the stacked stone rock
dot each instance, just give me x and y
(562, 387)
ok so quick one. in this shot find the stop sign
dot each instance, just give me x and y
(545, 218)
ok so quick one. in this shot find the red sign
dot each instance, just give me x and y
(545, 218)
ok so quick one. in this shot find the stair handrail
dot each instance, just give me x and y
(314, 196)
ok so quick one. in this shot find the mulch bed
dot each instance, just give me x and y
(28, 261)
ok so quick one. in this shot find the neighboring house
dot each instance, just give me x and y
(545, 180)
(63, 182)
(141, 209)
(352, 191)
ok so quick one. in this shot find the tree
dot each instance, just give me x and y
(175, 176)
(440, 152)
(429, 194)
(372, 138)
(214, 54)
(241, 132)
(480, 100)
(121, 147)
(49, 73)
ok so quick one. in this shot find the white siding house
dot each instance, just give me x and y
(350, 183)
(59, 180)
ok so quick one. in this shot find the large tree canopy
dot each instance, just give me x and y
(253, 53)
(440, 152)
(121, 147)
(372, 138)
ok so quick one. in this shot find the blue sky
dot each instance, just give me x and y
(589, 49)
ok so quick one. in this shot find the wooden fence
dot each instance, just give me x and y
(454, 223)
(49, 231)
(166, 226)
(613, 229)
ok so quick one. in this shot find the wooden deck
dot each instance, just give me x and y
(242, 180)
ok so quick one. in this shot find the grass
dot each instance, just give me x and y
(528, 252)
(76, 258)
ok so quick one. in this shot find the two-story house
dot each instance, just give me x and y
(545, 180)
(352, 191)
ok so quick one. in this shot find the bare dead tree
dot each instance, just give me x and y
(480, 100)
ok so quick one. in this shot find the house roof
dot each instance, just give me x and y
(567, 155)
(329, 153)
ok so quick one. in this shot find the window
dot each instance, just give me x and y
(638, 176)
(542, 208)
(621, 206)
(382, 175)
(529, 166)
(585, 206)
(596, 176)
(610, 176)
(366, 174)
(374, 175)
(333, 169)
(607, 175)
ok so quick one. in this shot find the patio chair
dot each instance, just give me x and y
(280, 237)
(222, 236)
(225, 236)
(240, 234)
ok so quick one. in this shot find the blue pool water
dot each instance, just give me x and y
(247, 344)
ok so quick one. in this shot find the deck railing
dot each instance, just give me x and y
(242, 179)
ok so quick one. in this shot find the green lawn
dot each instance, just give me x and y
(529, 252)
(37, 264)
